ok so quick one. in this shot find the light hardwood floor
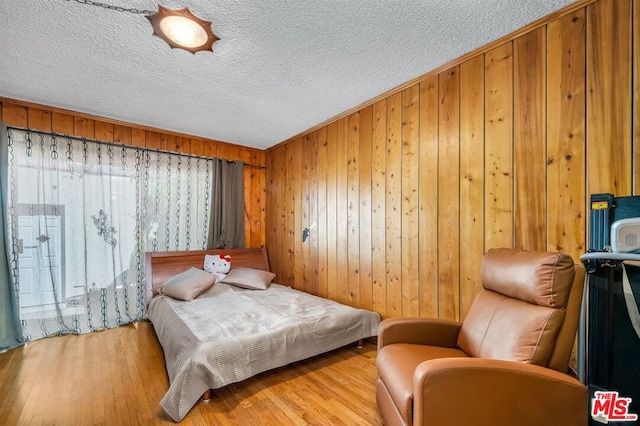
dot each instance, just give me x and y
(118, 376)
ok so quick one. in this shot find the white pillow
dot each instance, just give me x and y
(188, 285)
(249, 278)
(217, 263)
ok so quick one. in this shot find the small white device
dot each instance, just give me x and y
(625, 235)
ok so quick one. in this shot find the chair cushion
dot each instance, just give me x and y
(540, 278)
(396, 364)
(500, 327)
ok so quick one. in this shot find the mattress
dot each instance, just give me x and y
(229, 334)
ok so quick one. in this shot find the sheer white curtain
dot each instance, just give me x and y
(81, 215)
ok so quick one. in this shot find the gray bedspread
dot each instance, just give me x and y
(229, 334)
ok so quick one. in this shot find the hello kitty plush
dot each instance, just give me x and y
(219, 264)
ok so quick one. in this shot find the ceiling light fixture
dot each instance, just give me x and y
(180, 29)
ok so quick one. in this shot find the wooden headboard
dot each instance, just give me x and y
(160, 266)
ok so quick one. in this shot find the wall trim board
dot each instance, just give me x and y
(481, 50)
(114, 121)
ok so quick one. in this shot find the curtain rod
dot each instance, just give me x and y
(61, 135)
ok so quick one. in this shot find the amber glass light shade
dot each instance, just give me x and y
(181, 29)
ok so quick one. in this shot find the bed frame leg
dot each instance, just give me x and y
(359, 344)
(206, 396)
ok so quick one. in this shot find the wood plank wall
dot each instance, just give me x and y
(37, 117)
(502, 149)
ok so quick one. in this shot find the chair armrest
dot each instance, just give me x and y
(475, 391)
(421, 331)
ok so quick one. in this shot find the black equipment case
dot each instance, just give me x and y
(609, 343)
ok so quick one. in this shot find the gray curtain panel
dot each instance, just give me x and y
(226, 220)
(10, 329)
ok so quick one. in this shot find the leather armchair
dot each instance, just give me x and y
(506, 364)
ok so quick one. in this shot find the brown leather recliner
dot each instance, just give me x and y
(505, 365)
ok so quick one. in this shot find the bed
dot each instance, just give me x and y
(228, 334)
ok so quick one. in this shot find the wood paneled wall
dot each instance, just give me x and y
(502, 149)
(36, 117)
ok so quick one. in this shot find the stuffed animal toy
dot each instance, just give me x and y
(219, 264)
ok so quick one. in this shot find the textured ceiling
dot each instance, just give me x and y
(281, 66)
